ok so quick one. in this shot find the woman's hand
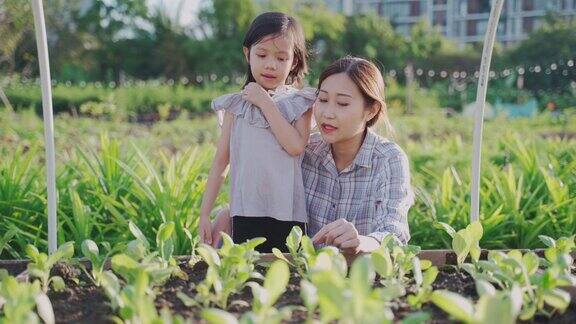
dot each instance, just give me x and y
(344, 235)
(340, 233)
(256, 95)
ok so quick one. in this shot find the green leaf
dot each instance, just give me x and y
(557, 298)
(453, 304)
(447, 228)
(425, 264)
(64, 251)
(475, 230)
(531, 262)
(251, 244)
(547, 240)
(165, 232)
(136, 249)
(495, 309)
(382, 262)
(307, 246)
(293, 239)
(361, 275)
(461, 247)
(89, 249)
(276, 280)
(309, 294)
(485, 288)
(58, 283)
(31, 251)
(218, 316)
(44, 308)
(209, 255)
(429, 276)
(138, 234)
(122, 263)
(416, 318)
(277, 253)
(417, 271)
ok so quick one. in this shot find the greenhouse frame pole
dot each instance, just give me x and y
(479, 107)
(42, 45)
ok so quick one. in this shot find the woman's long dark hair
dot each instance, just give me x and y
(276, 24)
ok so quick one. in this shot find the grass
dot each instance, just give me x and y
(113, 172)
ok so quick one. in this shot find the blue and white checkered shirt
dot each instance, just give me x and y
(373, 193)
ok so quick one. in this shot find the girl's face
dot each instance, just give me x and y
(271, 60)
(339, 109)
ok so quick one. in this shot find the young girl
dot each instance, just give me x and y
(265, 129)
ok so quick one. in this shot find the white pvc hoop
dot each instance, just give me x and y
(41, 44)
(480, 103)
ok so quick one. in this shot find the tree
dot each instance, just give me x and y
(422, 43)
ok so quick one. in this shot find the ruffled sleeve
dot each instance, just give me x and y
(291, 104)
(296, 104)
(235, 104)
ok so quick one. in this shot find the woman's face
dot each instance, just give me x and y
(339, 109)
(271, 60)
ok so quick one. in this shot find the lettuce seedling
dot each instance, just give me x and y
(540, 287)
(351, 300)
(92, 253)
(465, 241)
(265, 296)
(18, 300)
(492, 307)
(139, 250)
(41, 264)
(301, 249)
(228, 270)
(263, 310)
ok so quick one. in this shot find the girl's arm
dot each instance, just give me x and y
(292, 138)
(216, 177)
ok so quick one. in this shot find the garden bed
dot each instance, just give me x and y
(82, 302)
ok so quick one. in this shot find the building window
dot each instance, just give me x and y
(439, 2)
(478, 6)
(528, 5)
(471, 28)
(528, 25)
(439, 18)
(415, 8)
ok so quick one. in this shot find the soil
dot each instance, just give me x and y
(82, 302)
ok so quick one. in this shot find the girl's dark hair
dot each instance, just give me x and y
(369, 81)
(277, 24)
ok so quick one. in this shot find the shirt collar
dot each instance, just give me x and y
(363, 157)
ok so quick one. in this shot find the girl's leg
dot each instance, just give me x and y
(222, 223)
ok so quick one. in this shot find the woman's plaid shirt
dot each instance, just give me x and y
(373, 193)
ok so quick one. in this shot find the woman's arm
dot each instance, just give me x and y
(395, 198)
(216, 177)
(292, 138)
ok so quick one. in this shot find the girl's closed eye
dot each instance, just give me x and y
(343, 104)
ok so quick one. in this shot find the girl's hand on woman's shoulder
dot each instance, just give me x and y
(256, 95)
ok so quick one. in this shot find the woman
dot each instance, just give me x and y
(357, 183)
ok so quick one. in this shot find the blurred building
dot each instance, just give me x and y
(464, 21)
